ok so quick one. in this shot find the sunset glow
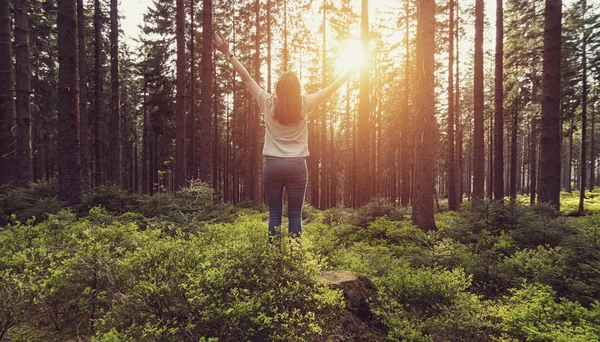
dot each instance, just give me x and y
(352, 57)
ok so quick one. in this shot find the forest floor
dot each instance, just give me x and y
(180, 267)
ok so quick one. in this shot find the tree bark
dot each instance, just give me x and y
(116, 160)
(191, 166)
(407, 151)
(99, 172)
(69, 163)
(458, 125)
(7, 103)
(425, 123)
(498, 106)
(549, 192)
(285, 38)
(256, 161)
(180, 153)
(452, 198)
(323, 129)
(364, 109)
(513, 153)
(23, 86)
(584, 128)
(478, 134)
(206, 91)
(83, 99)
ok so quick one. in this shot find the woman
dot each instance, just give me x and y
(286, 138)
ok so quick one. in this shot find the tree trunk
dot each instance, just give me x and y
(364, 109)
(69, 164)
(256, 160)
(180, 153)
(191, 166)
(99, 171)
(407, 156)
(83, 99)
(498, 106)
(592, 152)
(323, 129)
(7, 103)
(452, 198)
(549, 191)
(145, 143)
(269, 34)
(583, 119)
(458, 125)
(285, 38)
(513, 153)
(568, 186)
(478, 134)
(533, 151)
(206, 91)
(115, 167)
(425, 129)
(23, 86)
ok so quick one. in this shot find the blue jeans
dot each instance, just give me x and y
(291, 174)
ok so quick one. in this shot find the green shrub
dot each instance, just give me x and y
(532, 313)
(225, 282)
(431, 304)
(36, 201)
(543, 264)
(378, 207)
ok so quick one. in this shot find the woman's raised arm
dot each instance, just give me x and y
(222, 44)
(324, 94)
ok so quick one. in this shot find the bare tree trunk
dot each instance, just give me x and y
(115, 167)
(533, 151)
(592, 152)
(145, 143)
(323, 129)
(7, 103)
(550, 131)
(180, 145)
(23, 86)
(583, 119)
(459, 129)
(407, 156)
(269, 34)
(83, 99)
(69, 164)
(498, 104)
(285, 37)
(513, 153)
(256, 161)
(452, 197)
(425, 148)
(364, 109)
(205, 143)
(192, 166)
(478, 133)
(99, 172)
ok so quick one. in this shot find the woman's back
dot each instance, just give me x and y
(285, 140)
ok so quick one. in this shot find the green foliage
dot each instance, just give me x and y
(532, 313)
(182, 267)
(431, 304)
(378, 207)
(103, 274)
(36, 201)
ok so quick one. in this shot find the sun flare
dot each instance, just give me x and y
(352, 57)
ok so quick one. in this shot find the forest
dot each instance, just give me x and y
(453, 178)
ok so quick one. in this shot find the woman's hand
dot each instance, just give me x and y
(221, 43)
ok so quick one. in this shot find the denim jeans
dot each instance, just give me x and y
(291, 174)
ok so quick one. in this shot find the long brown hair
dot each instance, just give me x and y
(288, 104)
